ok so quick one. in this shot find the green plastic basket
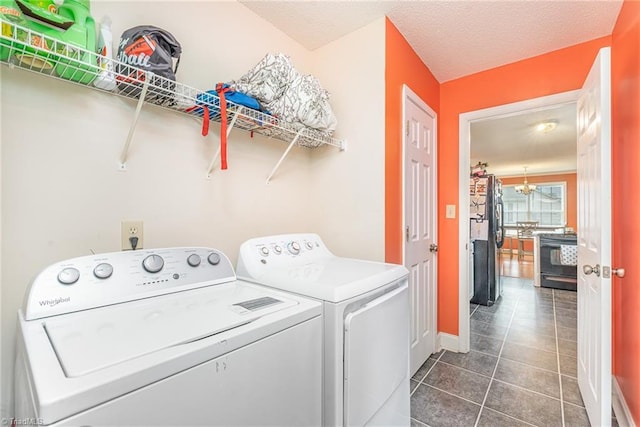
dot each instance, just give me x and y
(41, 43)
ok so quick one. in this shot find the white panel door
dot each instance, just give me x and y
(594, 241)
(420, 199)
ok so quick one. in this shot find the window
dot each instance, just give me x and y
(547, 205)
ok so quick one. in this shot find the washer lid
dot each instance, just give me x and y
(330, 278)
(88, 341)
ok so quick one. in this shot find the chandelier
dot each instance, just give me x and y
(525, 188)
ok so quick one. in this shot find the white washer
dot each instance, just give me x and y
(165, 337)
(366, 323)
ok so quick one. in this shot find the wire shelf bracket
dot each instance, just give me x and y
(132, 129)
(286, 152)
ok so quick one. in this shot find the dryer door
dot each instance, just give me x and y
(376, 359)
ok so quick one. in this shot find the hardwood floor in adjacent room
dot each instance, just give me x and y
(511, 267)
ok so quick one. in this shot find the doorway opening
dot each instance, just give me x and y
(533, 156)
(465, 123)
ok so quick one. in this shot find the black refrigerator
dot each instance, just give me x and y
(487, 237)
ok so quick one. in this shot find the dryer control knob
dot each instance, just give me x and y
(277, 249)
(153, 263)
(264, 251)
(194, 260)
(213, 258)
(309, 245)
(103, 270)
(294, 248)
(68, 276)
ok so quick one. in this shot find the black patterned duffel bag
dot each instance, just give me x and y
(145, 49)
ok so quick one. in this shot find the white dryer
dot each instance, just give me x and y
(366, 323)
(165, 337)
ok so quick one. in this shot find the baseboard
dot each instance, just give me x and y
(448, 342)
(620, 407)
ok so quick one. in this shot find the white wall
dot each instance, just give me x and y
(350, 187)
(63, 196)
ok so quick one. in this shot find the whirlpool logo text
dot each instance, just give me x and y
(54, 302)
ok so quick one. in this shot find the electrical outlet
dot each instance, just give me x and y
(131, 230)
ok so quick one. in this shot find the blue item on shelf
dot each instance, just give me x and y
(211, 99)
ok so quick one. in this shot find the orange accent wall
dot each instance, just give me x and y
(572, 191)
(403, 66)
(625, 76)
(547, 74)
(554, 72)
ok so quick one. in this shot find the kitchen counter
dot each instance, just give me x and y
(535, 237)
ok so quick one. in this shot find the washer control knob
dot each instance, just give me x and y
(294, 248)
(213, 258)
(264, 251)
(309, 245)
(68, 276)
(277, 249)
(153, 263)
(103, 270)
(193, 260)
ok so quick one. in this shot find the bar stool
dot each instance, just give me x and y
(508, 238)
(525, 234)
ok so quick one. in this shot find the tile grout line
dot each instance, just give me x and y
(489, 336)
(484, 352)
(420, 382)
(531, 366)
(451, 394)
(495, 410)
(488, 377)
(539, 393)
(474, 310)
(575, 404)
(467, 370)
(504, 340)
(512, 326)
(555, 324)
(512, 417)
(420, 422)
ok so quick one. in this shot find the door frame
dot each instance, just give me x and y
(408, 94)
(465, 120)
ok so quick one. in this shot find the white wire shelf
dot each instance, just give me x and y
(24, 48)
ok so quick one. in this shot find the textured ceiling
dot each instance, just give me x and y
(453, 38)
(509, 144)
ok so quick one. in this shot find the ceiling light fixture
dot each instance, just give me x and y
(525, 188)
(546, 126)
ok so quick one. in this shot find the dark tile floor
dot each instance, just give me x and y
(521, 369)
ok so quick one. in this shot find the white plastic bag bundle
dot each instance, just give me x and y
(268, 79)
(305, 102)
(297, 99)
